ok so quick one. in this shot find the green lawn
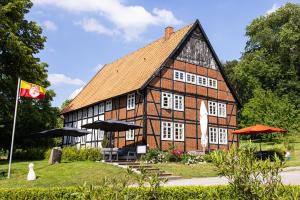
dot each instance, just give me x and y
(189, 171)
(294, 140)
(63, 174)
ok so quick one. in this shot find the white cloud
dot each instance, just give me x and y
(49, 25)
(130, 21)
(273, 9)
(75, 93)
(56, 79)
(92, 25)
(98, 67)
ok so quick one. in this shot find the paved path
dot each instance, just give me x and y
(290, 175)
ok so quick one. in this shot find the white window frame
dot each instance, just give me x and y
(131, 101)
(192, 78)
(101, 108)
(130, 134)
(212, 106)
(178, 102)
(108, 105)
(203, 81)
(213, 135)
(100, 134)
(179, 73)
(223, 136)
(212, 83)
(168, 98)
(168, 127)
(222, 110)
(179, 127)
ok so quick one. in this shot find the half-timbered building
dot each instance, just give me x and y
(160, 87)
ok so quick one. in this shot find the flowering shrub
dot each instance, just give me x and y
(175, 155)
(189, 159)
(155, 156)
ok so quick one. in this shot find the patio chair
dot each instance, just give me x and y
(110, 152)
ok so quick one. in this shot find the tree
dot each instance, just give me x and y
(20, 41)
(268, 108)
(272, 56)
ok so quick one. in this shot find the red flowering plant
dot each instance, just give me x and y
(177, 155)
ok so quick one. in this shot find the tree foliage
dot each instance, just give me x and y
(267, 77)
(20, 41)
(267, 108)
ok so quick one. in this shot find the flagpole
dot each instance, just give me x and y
(14, 128)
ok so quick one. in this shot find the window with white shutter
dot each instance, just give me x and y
(178, 102)
(212, 108)
(166, 100)
(222, 136)
(213, 135)
(179, 76)
(167, 131)
(130, 101)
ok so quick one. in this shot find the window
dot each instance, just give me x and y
(178, 132)
(222, 136)
(179, 75)
(74, 116)
(100, 134)
(84, 113)
(212, 83)
(213, 135)
(101, 108)
(90, 112)
(190, 78)
(79, 124)
(108, 105)
(95, 110)
(212, 108)
(166, 100)
(130, 101)
(79, 114)
(221, 109)
(167, 131)
(178, 102)
(201, 80)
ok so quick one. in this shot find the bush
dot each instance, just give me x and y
(192, 159)
(73, 154)
(3, 154)
(29, 154)
(137, 193)
(155, 156)
(249, 177)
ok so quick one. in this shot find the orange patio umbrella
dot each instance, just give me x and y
(258, 129)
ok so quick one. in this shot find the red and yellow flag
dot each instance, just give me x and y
(32, 90)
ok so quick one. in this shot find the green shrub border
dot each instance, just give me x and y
(176, 192)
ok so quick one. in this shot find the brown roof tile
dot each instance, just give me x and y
(128, 73)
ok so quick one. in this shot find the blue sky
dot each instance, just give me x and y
(83, 35)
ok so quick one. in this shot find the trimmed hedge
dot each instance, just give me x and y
(186, 192)
(73, 154)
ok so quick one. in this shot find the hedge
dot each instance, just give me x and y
(184, 192)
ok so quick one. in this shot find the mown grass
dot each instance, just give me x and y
(189, 171)
(58, 175)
